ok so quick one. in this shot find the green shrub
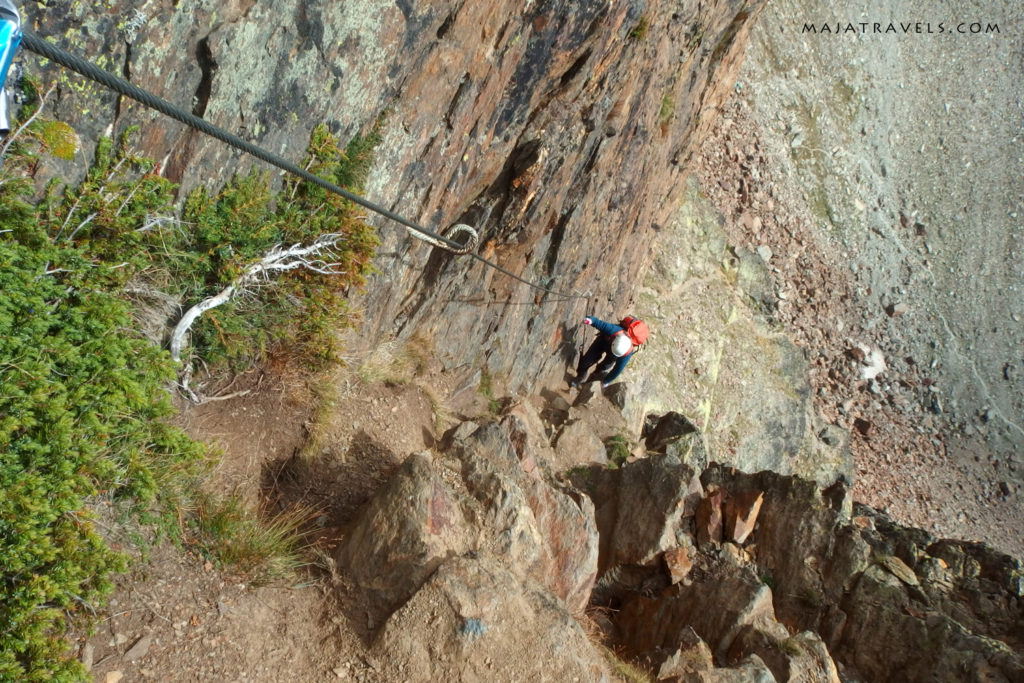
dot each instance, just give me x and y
(300, 310)
(639, 31)
(486, 390)
(83, 397)
(617, 450)
(80, 409)
(666, 113)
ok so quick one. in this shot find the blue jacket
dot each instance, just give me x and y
(609, 330)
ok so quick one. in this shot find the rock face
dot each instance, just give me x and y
(886, 602)
(481, 556)
(560, 130)
(721, 361)
(475, 557)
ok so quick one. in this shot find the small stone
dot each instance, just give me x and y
(678, 563)
(709, 518)
(88, 656)
(734, 553)
(863, 522)
(899, 569)
(765, 252)
(741, 515)
(113, 677)
(896, 310)
(618, 395)
(139, 649)
(1005, 488)
(873, 364)
(829, 437)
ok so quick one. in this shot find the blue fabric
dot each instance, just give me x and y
(600, 352)
(10, 38)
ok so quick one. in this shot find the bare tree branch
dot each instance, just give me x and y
(11, 138)
(316, 257)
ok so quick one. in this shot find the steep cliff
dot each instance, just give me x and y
(692, 573)
(560, 130)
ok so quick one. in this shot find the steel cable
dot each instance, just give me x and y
(52, 52)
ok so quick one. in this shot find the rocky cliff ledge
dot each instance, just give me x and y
(482, 558)
(560, 130)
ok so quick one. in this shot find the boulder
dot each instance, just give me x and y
(865, 584)
(523, 427)
(750, 670)
(543, 531)
(409, 527)
(569, 543)
(640, 509)
(668, 429)
(474, 620)
(691, 656)
(891, 636)
(618, 395)
(794, 535)
(577, 444)
(717, 607)
(801, 657)
(678, 563)
(675, 435)
(511, 527)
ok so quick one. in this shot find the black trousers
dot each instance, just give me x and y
(600, 354)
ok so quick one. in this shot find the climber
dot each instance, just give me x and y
(611, 351)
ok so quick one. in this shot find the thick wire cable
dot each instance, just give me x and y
(52, 52)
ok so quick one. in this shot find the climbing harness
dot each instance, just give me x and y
(46, 49)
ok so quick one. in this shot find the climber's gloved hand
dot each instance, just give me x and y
(588, 321)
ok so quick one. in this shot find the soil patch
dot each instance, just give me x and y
(286, 440)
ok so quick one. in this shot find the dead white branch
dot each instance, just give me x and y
(14, 136)
(315, 257)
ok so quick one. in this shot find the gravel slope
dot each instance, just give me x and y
(896, 159)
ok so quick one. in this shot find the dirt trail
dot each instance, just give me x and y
(176, 616)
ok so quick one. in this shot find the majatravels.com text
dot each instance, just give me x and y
(901, 28)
